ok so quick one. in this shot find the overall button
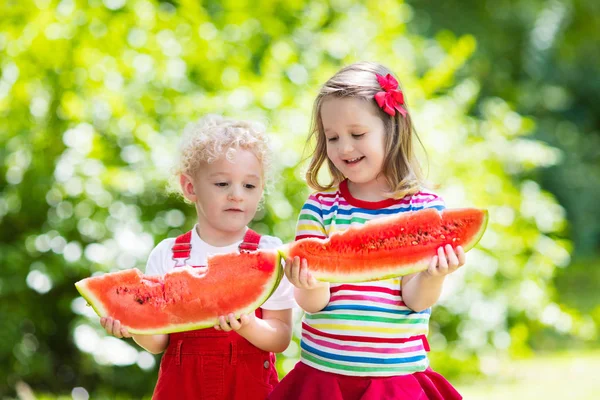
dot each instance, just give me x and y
(266, 364)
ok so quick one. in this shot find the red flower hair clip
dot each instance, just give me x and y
(391, 99)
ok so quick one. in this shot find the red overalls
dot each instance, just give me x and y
(211, 364)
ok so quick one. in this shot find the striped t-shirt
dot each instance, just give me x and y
(365, 329)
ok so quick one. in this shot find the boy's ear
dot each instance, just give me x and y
(187, 187)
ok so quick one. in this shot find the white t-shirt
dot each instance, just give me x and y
(161, 261)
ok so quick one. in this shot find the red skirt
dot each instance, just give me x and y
(308, 383)
(210, 364)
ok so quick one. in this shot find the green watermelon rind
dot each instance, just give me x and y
(280, 275)
(166, 329)
(477, 236)
(91, 300)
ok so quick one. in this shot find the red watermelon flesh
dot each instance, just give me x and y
(389, 246)
(185, 299)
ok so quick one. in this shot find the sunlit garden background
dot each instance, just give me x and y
(95, 93)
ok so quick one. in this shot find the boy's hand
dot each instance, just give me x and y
(113, 327)
(299, 275)
(230, 323)
(447, 261)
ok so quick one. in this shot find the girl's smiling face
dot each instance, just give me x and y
(355, 136)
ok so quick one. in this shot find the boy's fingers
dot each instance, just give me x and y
(108, 325)
(224, 325)
(234, 323)
(116, 331)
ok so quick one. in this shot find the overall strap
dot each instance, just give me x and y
(250, 242)
(182, 248)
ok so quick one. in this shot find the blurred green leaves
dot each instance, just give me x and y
(94, 95)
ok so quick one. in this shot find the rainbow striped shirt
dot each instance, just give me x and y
(365, 329)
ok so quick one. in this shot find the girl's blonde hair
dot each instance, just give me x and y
(401, 168)
(213, 136)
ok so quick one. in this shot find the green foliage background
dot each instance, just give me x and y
(94, 95)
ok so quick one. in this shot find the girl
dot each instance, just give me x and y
(365, 341)
(221, 171)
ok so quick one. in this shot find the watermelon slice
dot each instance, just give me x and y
(183, 299)
(389, 246)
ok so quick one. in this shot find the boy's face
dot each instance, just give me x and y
(226, 194)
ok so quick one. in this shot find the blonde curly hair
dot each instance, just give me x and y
(213, 136)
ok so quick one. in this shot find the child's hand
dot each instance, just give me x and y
(230, 323)
(299, 275)
(113, 327)
(447, 261)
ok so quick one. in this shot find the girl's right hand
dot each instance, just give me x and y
(299, 275)
(113, 327)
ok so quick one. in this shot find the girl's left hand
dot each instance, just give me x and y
(230, 323)
(447, 261)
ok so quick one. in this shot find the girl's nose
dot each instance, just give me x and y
(346, 147)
